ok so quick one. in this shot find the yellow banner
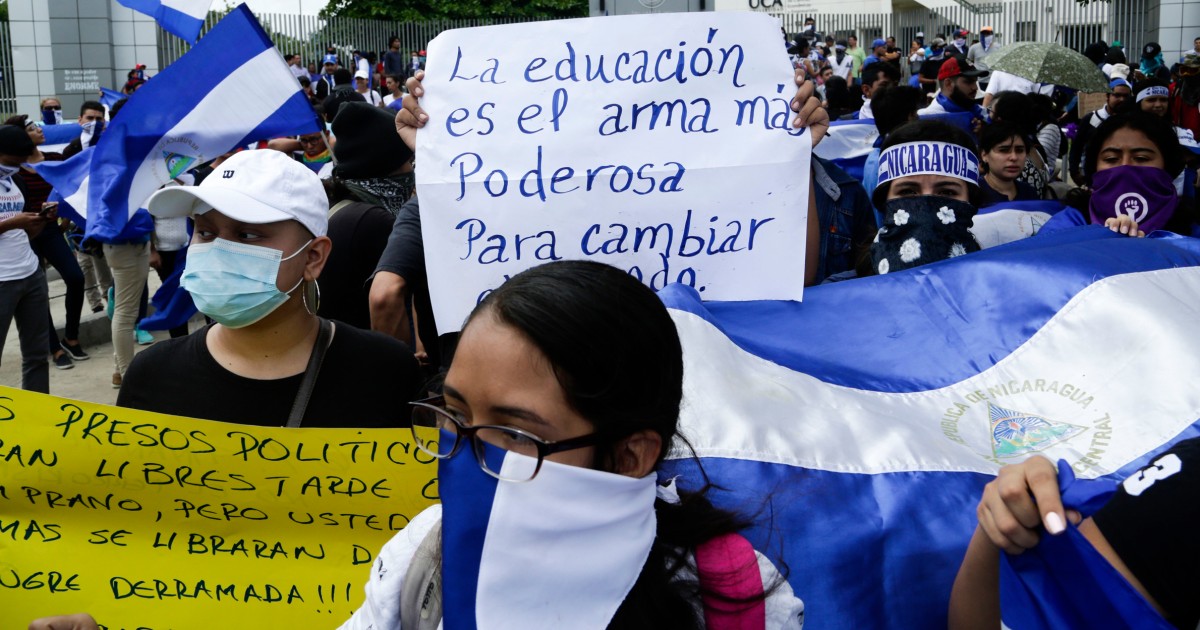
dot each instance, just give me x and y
(152, 521)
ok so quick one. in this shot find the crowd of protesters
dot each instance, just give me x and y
(332, 296)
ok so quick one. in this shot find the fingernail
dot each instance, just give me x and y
(424, 118)
(1054, 523)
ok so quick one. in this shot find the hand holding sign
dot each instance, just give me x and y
(659, 144)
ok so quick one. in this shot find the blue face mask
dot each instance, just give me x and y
(234, 283)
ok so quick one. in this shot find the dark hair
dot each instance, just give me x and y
(1015, 108)
(304, 81)
(925, 131)
(1044, 109)
(116, 107)
(1148, 83)
(837, 92)
(342, 76)
(871, 72)
(18, 120)
(616, 354)
(894, 106)
(92, 105)
(1114, 55)
(1156, 128)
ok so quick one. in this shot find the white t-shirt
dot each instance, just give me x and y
(844, 68)
(372, 97)
(388, 99)
(17, 260)
(1005, 82)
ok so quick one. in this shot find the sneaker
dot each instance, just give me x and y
(112, 297)
(63, 361)
(142, 337)
(116, 380)
(76, 352)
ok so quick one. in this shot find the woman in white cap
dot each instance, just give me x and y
(258, 246)
(362, 85)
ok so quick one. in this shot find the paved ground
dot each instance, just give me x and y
(89, 380)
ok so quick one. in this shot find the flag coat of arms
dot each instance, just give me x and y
(859, 427)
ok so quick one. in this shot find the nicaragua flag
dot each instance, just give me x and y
(1009, 221)
(108, 98)
(182, 18)
(860, 426)
(69, 179)
(230, 89)
(1064, 582)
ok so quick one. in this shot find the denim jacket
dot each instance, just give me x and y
(845, 215)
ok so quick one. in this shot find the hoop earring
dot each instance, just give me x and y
(316, 299)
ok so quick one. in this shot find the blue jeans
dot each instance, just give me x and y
(27, 301)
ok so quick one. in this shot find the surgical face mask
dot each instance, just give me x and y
(507, 545)
(921, 230)
(1144, 193)
(234, 283)
(960, 42)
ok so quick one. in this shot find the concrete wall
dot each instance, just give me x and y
(71, 48)
(1178, 26)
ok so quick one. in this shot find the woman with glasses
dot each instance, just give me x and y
(562, 399)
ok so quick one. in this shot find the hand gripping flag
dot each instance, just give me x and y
(182, 18)
(1064, 582)
(230, 89)
(860, 427)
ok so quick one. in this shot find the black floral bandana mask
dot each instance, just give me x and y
(921, 230)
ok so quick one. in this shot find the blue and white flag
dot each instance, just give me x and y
(860, 426)
(230, 89)
(108, 98)
(182, 18)
(69, 179)
(1064, 582)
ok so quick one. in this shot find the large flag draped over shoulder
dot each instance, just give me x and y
(859, 427)
(231, 88)
(182, 18)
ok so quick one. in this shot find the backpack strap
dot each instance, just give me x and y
(421, 593)
(728, 570)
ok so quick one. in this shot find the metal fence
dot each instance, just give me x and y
(310, 35)
(8, 91)
(1062, 21)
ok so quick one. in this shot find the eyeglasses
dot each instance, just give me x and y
(438, 433)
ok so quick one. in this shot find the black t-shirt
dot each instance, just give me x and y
(405, 257)
(929, 70)
(359, 232)
(366, 381)
(1149, 524)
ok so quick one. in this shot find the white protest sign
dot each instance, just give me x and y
(660, 144)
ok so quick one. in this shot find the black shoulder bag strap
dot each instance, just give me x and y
(324, 336)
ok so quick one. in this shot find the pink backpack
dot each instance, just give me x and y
(728, 565)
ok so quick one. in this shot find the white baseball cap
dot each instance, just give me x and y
(361, 74)
(255, 186)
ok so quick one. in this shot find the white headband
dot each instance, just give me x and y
(928, 158)
(1153, 90)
